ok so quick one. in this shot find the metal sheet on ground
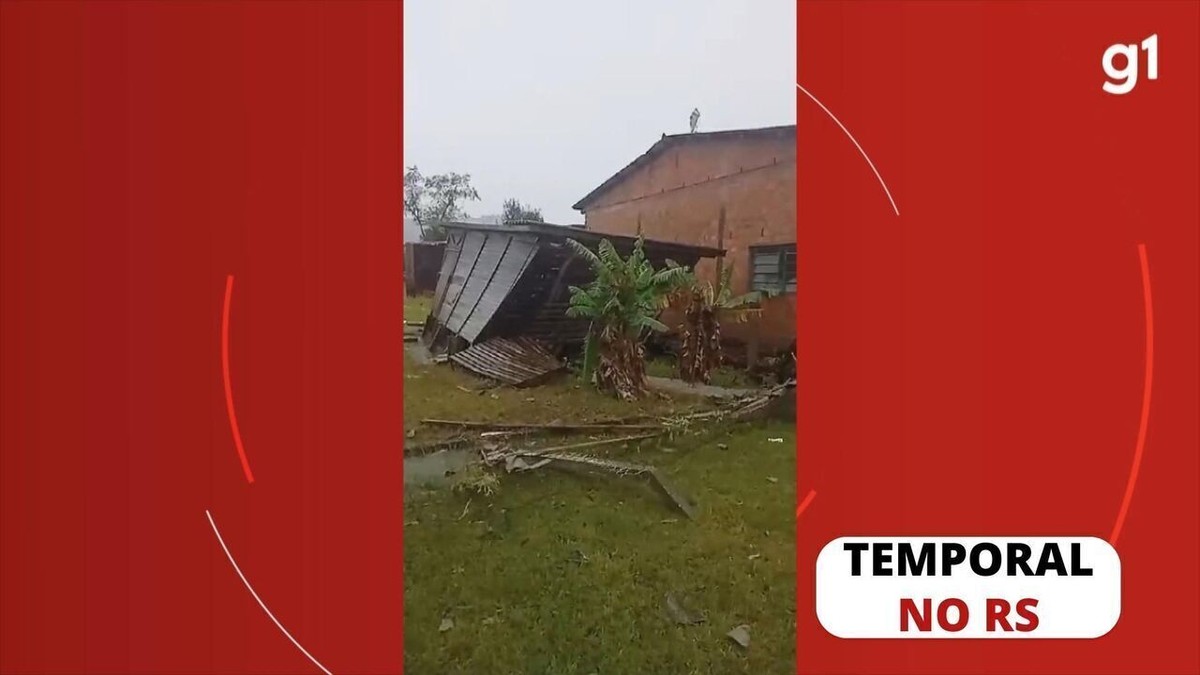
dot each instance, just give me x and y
(516, 362)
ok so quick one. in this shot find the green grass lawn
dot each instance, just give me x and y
(559, 573)
(564, 574)
(416, 308)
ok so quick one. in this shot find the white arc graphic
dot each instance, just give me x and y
(855, 142)
(258, 599)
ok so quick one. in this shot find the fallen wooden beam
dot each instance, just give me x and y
(534, 425)
(587, 444)
(625, 469)
(625, 420)
(673, 494)
(428, 447)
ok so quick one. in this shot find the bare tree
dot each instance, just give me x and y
(433, 201)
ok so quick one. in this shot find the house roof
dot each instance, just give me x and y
(587, 237)
(667, 142)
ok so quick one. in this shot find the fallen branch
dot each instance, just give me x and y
(734, 409)
(610, 465)
(433, 446)
(626, 469)
(631, 419)
(587, 444)
(533, 425)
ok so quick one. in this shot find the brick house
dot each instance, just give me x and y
(733, 190)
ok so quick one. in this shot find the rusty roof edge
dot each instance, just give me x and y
(568, 232)
(662, 143)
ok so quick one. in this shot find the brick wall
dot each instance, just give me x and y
(679, 196)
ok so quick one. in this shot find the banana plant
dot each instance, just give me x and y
(700, 352)
(623, 303)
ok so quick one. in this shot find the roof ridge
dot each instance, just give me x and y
(673, 138)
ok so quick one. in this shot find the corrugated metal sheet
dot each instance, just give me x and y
(536, 306)
(463, 269)
(454, 244)
(517, 362)
(517, 253)
(490, 254)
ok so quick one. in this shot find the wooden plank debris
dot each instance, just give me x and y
(517, 362)
(428, 447)
(588, 444)
(513, 426)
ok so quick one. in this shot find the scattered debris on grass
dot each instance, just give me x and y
(434, 446)
(496, 443)
(680, 614)
(586, 444)
(477, 479)
(447, 624)
(741, 635)
(517, 463)
(524, 426)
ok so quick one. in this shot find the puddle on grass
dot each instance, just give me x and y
(429, 471)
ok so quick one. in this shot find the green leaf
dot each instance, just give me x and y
(652, 324)
(584, 252)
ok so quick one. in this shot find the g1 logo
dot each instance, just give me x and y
(1123, 80)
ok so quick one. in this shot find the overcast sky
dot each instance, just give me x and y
(542, 100)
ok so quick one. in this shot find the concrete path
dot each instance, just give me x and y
(673, 386)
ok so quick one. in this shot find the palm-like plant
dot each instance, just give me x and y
(623, 303)
(700, 353)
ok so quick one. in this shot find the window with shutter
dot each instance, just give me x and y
(773, 268)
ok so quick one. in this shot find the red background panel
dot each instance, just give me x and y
(148, 151)
(975, 365)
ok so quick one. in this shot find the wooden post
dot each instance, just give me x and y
(720, 243)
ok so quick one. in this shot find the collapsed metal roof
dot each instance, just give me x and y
(512, 281)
